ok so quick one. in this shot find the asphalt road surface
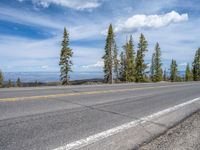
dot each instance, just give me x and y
(49, 117)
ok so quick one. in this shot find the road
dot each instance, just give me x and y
(49, 117)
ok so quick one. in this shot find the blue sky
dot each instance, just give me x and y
(31, 31)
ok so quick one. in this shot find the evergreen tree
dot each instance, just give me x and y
(129, 66)
(18, 82)
(165, 75)
(1, 79)
(152, 69)
(36, 83)
(65, 59)
(196, 66)
(9, 83)
(157, 64)
(173, 71)
(116, 62)
(188, 74)
(140, 64)
(108, 56)
(122, 67)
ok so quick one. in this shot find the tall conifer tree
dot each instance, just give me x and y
(152, 69)
(18, 82)
(108, 56)
(157, 64)
(65, 59)
(165, 75)
(140, 64)
(122, 67)
(116, 62)
(188, 74)
(130, 61)
(9, 83)
(1, 79)
(173, 71)
(196, 66)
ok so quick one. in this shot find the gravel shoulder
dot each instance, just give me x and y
(184, 136)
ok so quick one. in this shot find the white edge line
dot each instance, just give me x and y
(99, 136)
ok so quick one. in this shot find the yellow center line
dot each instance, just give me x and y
(78, 94)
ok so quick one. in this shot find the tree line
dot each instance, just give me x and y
(128, 66)
(18, 82)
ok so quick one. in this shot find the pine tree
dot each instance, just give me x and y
(140, 64)
(188, 74)
(9, 83)
(122, 67)
(65, 59)
(116, 62)
(157, 64)
(108, 56)
(152, 69)
(196, 66)
(173, 71)
(129, 66)
(36, 83)
(165, 75)
(1, 79)
(18, 82)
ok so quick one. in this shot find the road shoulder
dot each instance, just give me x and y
(185, 135)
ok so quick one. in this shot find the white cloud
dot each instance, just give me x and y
(44, 67)
(84, 31)
(183, 64)
(39, 55)
(149, 21)
(74, 4)
(98, 64)
(28, 48)
(29, 54)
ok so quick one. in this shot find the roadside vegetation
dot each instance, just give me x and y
(131, 67)
(1, 79)
(128, 66)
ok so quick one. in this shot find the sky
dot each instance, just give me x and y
(31, 31)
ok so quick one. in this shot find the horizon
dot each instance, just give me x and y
(55, 76)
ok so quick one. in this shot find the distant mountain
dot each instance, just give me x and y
(54, 76)
(49, 76)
